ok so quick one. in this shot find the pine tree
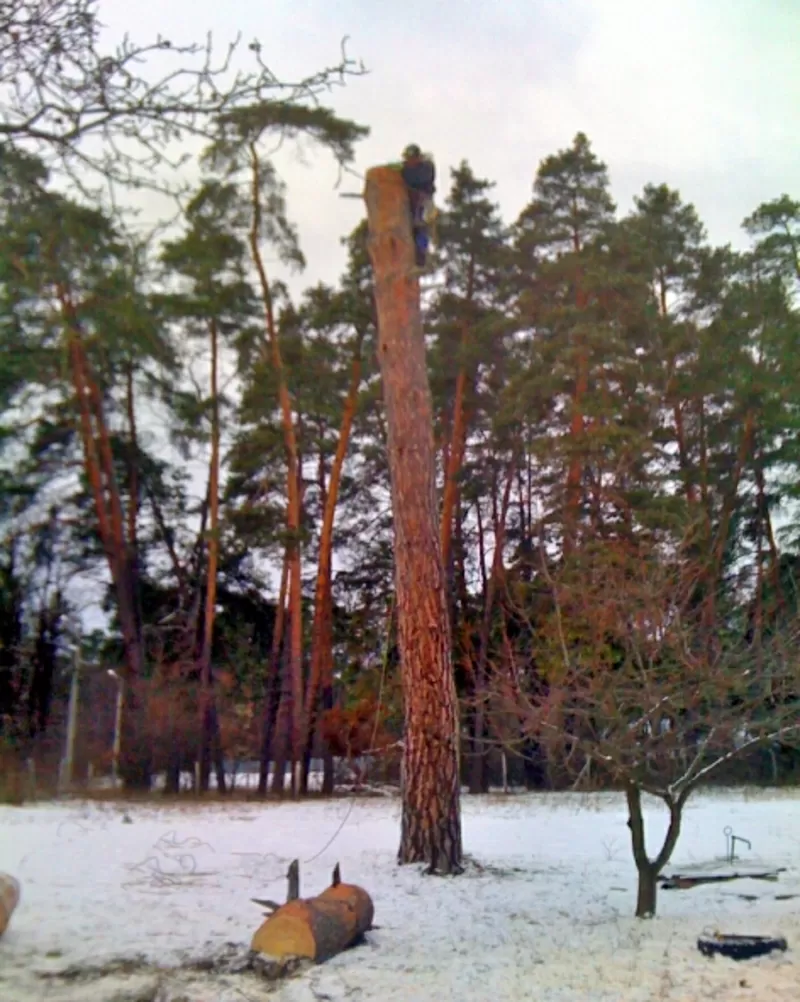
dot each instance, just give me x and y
(215, 306)
(558, 238)
(469, 345)
(74, 264)
(431, 822)
(239, 152)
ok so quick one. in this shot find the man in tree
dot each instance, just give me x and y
(419, 174)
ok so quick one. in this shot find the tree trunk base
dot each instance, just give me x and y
(439, 848)
(646, 894)
(328, 781)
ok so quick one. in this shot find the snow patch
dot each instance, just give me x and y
(543, 912)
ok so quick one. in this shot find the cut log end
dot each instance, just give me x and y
(316, 929)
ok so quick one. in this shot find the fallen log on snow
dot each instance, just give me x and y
(684, 882)
(316, 928)
(9, 899)
(356, 897)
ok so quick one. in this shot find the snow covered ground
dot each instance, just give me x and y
(544, 913)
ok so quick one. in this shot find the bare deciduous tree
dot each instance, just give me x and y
(122, 113)
(617, 676)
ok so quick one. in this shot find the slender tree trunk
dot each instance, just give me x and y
(758, 612)
(282, 740)
(217, 751)
(721, 541)
(135, 758)
(703, 445)
(481, 547)
(328, 770)
(647, 869)
(576, 433)
(133, 487)
(479, 779)
(209, 724)
(322, 627)
(431, 816)
(774, 558)
(458, 440)
(683, 454)
(273, 352)
(273, 687)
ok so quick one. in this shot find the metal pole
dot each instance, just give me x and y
(72, 722)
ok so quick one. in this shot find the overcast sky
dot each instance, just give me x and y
(701, 94)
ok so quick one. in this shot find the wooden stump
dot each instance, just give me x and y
(9, 899)
(315, 928)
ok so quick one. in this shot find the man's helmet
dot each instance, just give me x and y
(411, 151)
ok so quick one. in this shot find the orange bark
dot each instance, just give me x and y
(293, 485)
(98, 464)
(99, 467)
(458, 441)
(133, 466)
(431, 819)
(207, 714)
(322, 628)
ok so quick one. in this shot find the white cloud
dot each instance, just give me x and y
(702, 95)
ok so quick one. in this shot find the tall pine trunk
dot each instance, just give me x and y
(273, 354)
(98, 461)
(209, 721)
(431, 815)
(272, 689)
(282, 739)
(321, 676)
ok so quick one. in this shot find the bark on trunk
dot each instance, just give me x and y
(172, 782)
(272, 690)
(209, 724)
(282, 739)
(273, 354)
(135, 758)
(646, 892)
(431, 818)
(647, 869)
(322, 629)
(458, 441)
(328, 775)
(133, 490)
